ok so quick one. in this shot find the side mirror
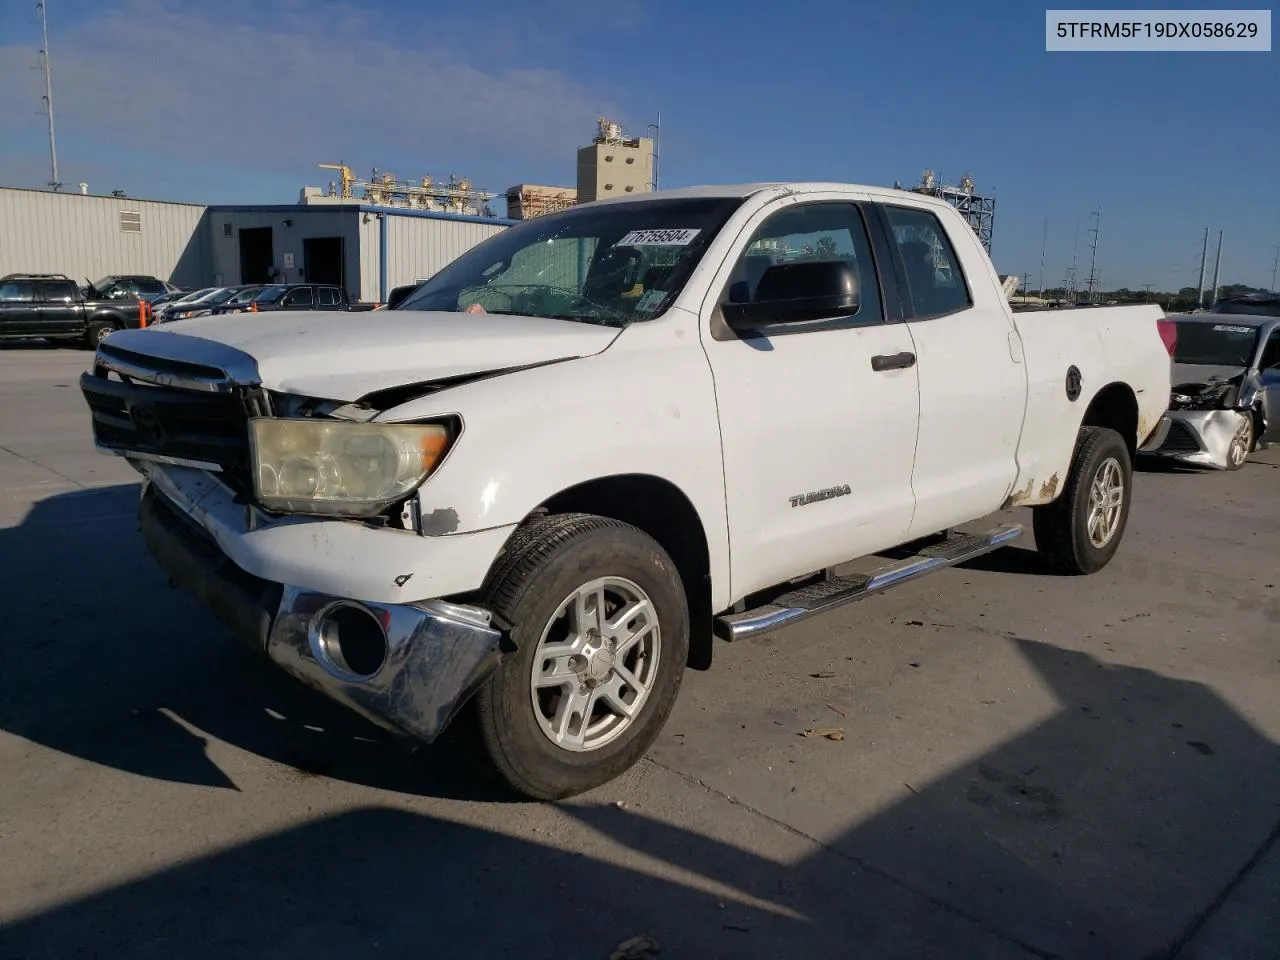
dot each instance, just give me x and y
(796, 293)
(397, 296)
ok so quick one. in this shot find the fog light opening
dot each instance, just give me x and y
(351, 640)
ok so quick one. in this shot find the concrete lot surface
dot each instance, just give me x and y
(1033, 766)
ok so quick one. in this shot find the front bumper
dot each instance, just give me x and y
(1196, 437)
(436, 653)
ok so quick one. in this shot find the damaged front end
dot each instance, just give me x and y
(354, 606)
(1212, 423)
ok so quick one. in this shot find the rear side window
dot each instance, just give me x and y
(328, 297)
(17, 291)
(61, 291)
(934, 279)
(301, 297)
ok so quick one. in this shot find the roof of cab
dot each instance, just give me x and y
(744, 190)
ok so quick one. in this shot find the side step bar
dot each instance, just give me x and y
(824, 595)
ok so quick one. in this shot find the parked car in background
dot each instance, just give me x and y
(293, 296)
(543, 480)
(166, 298)
(130, 287)
(1225, 399)
(196, 304)
(52, 306)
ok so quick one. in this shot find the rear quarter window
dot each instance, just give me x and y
(935, 280)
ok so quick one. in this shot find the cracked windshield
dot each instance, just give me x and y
(612, 265)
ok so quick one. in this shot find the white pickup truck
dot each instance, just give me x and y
(540, 485)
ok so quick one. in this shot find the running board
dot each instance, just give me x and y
(824, 595)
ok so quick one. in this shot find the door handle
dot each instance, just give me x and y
(893, 361)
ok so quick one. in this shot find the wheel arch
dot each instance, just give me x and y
(663, 511)
(1115, 407)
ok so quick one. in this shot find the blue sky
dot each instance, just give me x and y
(236, 101)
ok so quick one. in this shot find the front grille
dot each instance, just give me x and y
(184, 425)
(1179, 440)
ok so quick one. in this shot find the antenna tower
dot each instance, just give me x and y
(54, 182)
(1071, 270)
(657, 140)
(1096, 229)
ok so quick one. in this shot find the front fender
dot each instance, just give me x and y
(646, 405)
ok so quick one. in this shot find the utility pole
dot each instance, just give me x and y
(1217, 262)
(1096, 229)
(54, 183)
(657, 135)
(1204, 253)
(1044, 245)
(1147, 295)
(1274, 265)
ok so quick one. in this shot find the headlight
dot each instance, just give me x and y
(338, 467)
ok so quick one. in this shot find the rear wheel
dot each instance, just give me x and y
(96, 332)
(1080, 531)
(1241, 443)
(601, 629)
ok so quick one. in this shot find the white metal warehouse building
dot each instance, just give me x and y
(367, 249)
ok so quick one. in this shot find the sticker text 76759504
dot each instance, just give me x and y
(676, 237)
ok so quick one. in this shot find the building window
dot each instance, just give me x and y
(226, 230)
(629, 188)
(608, 158)
(631, 159)
(608, 186)
(130, 221)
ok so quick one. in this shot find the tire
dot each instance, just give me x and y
(1241, 443)
(533, 586)
(95, 332)
(1063, 528)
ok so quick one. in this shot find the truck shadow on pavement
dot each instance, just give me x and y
(107, 663)
(1112, 828)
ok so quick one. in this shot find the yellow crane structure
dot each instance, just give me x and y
(347, 175)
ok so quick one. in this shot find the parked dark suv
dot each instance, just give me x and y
(51, 306)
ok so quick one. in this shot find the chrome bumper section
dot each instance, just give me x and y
(435, 653)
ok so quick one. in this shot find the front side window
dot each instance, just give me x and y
(935, 282)
(270, 294)
(615, 264)
(814, 232)
(17, 291)
(1271, 352)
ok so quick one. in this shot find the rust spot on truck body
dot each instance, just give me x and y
(1019, 497)
(1025, 497)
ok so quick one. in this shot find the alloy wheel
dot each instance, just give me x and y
(596, 664)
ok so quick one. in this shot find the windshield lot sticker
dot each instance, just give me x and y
(658, 238)
(1224, 328)
(650, 301)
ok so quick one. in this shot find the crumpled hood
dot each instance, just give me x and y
(343, 356)
(1202, 373)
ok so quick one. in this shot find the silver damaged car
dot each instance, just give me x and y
(1225, 402)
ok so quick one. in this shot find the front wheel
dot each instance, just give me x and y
(601, 631)
(1080, 531)
(1241, 443)
(96, 333)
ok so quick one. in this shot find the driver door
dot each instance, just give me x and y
(818, 420)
